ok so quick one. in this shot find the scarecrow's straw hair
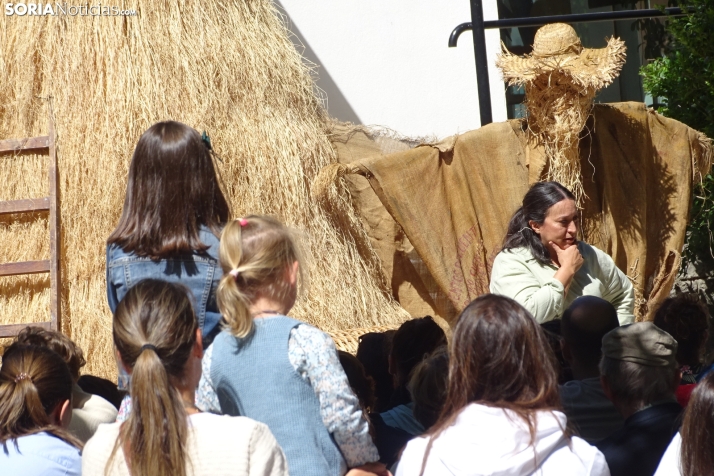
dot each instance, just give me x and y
(560, 83)
(227, 67)
(557, 113)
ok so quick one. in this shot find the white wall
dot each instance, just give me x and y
(386, 62)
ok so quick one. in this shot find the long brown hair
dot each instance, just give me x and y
(172, 191)
(255, 254)
(697, 454)
(499, 357)
(155, 332)
(33, 381)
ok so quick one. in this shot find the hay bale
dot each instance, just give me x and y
(226, 67)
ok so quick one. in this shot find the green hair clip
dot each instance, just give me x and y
(206, 140)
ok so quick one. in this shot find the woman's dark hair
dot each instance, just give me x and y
(155, 332)
(697, 454)
(172, 191)
(33, 381)
(686, 318)
(536, 203)
(499, 357)
(361, 383)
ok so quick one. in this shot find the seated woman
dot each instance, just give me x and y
(545, 268)
(159, 342)
(35, 410)
(501, 412)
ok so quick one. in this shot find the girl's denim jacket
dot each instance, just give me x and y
(199, 272)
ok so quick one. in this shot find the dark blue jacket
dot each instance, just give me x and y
(637, 448)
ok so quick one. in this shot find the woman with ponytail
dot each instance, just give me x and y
(275, 369)
(545, 268)
(35, 410)
(159, 342)
(174, 211)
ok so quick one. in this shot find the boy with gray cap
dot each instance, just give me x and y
(639, 373)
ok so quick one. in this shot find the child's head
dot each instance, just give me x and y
(373, 352)
(428, 385)
(70, 352)
(413, 340)
(361, 383)
(686, 318)
(260, 258)
(172, 191)
(35, 393)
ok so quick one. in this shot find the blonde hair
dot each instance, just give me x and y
(255, 254)
(155, 332)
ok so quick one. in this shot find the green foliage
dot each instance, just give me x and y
(683, 80)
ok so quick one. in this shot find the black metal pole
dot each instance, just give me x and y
(484, 91)
(573, 18)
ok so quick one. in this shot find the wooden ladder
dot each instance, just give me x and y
(36, 145)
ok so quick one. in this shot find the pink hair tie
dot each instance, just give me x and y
(234, 272)
(242, 221)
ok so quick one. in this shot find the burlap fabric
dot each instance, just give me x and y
(453, 200)
(405, 273)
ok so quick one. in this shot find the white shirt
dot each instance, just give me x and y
(88, 412)
(217, 446)
(669, 464)
(488, 441)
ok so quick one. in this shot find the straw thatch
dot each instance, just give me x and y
(226, 67)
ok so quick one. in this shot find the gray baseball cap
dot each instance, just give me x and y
(642, 343)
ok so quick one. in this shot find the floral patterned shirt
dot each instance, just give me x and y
(313, 355)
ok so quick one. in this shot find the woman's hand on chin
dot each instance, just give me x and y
(568, 257)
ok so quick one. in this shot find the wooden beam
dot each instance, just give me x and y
(25, 267)
(11, 330)
(30, 144)
(27, 205)
(54, 264)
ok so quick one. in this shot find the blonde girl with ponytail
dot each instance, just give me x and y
(35, 411)
(277, 370)
(158, 341)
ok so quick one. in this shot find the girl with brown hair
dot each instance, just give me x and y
(501, 414)
(173, 214)
(159, 342)
(275, 369)
(35, 410)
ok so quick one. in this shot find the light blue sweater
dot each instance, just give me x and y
(253, 377)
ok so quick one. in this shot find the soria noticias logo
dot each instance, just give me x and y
(63, 8)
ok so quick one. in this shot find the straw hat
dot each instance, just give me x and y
(557, 48)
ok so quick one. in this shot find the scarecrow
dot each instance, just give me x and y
(632, 171)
